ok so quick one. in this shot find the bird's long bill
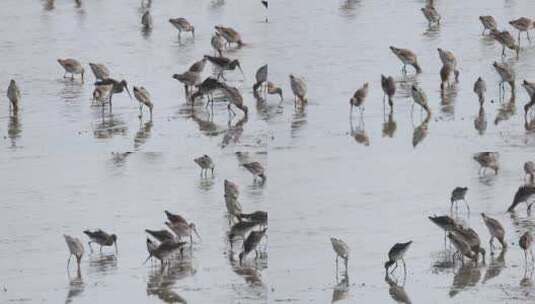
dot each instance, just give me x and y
(243, 74)
(197, 234)
(116, 249)
(147, 259)
(128, 91)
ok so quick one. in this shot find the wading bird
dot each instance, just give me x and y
(407, 57)
(419, 98)
(13, 94)
(115, 87)
(198, 66)
(496, 230)
(143, 97)
(463, 248)
(161, 235)
(207, 87)
(76, 249)
(480, 88)
(235, 98)
(524, 194)
(459, 194)
(358, 99)
(163, 250)
(101, 238)
(525, 242)
(489, 23)
(487, 160)
(529, 170)
(389, 88)
(146, 20)
(299, 89)
(397, 253)
(218, 43)
(73, 67)
(182, 25)
(206, 163)
(342, 251)
(273, 89)
(431, 14)
(230, 35)
(100, 71)
(251, 242)
(223, 64)
(261, 77)
(189, 79)
(471, 237)
(506, 40)
(522, 24)
(256, 169)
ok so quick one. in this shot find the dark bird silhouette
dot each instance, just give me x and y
(523, 194)
(251, 243)
(102, 238)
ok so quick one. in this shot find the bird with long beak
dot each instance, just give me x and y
(115, 87)
(397, 253)
(72, 66)
(223, 64)
(189, 79)
(101, 238)
(13, 94)
(143, 97)
(273, 89)
(76, 248)
(230, 35)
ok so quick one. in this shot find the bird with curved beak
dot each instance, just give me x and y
(115, 87)
(224, 64)
(102, 238)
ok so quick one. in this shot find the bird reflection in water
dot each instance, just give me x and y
(497, 264)
(76, 287)
(467, 276)
(447, 101)
(298, 121)
(108, 126)
(389, 124)
(341, 290)
(266, 110)
(143, 134)
(358, 131)
(14, 129)
(420, 132)
(162, 279)
(397, 291)
(102, 262)
(480, 122)
(506, 111)
(250, 273)
(233, 133)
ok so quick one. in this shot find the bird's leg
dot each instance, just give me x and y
(519, 38)
(527, 34)
(467, 206)
(100, 248)
(69, 261)
(89, 244)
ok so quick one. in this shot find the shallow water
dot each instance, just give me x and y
(63, 170)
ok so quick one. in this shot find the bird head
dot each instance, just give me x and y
(365, 85)
(388, 264)
(292, 76)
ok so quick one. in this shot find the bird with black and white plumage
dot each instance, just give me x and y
(240, 230)
(489, 23)
(524, 194)
(272, 89)
(113, 87)
(182, 25)
(261, 77)
(251, 243)
(260, 217)
(299, 88)
(223, 64)
(76, 249)
(496, 231)
(389, 88)
(462, 246)
(101, 238)
(235, 98)
(525, 242)
(256, 169)
(163, 250)
(73, 67)
(162, 235)
(143, 97)
(529, 170)
(218, 43)
(472, 239)
(358, 98)
(207, 87)
(395, 254)
(407, 57)
(206, 163)
(230, 35)
(14, 96)
(487, 160)
(459, 194)
(342, 251)
(100, 71)
(480, 88)
(146, 20)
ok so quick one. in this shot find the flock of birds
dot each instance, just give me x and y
(166, 244)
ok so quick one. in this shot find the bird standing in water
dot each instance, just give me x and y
(459, 194)
(496, 231)
(114, 87)
(358, 99)
(261, 77)
(100, 71)
(522, 24)
(525, 242)
(480, 88)
(489, 23)
(299, 89)
(101, 238)
(73, 67)
(76, 249)
(230, 35)
(389, 88)
(397, 253)
(13, 94)
(407, 57)
(143, 97)
(342, 251)
(487, 160)
(524, 194)
(182, 25)
(251, 242)
(256, 169)
(206, 163)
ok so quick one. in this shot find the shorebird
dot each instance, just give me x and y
(72, 66)
(240, 229)
(189, 79)
(101, 238)
(299, 88)
(265, 4)
(182, 25)
(223, 64)
(522, 24)
(181, 227)
(116, 87)
(342, 251)
(524, 194)
(506, 40)
(472, 239)
(198, 66)
(358, 98)
(529, 87)
(407, 57)
(419, 98)
(163, 250)
(207, 87)
(525, 242)
(529, 169)
(218, 43)
(259, 217)
(396, 254)
(230, 35)
(431, 14)
(447, 57)
(231, 189)
(161, 235)
(251, 242)
(445, 73)
(256, 169)
(233, 206)
(13, 94)
(444, 222)
(463, 248)
(496, 230)
(480, 88)
(76, 249)
(146, 20)
(100, 71)
(487, 160)
(273, 89)
(235, 98)
(489, 23)
(389, 88)
(143, 97)
(206, 163)
(261, 77)
(459, 194)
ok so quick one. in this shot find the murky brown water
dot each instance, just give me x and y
(362, 181)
